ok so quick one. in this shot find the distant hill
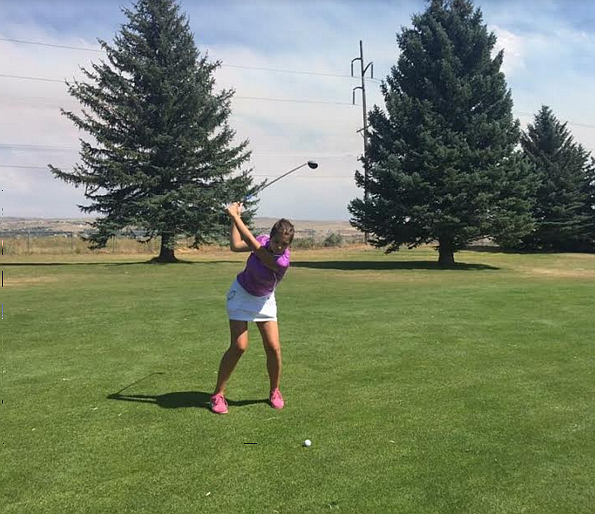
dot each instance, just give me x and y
(318, 229)
(310, 228)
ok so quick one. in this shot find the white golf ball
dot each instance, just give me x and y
(307, 443)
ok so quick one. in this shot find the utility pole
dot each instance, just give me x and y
(364, 130)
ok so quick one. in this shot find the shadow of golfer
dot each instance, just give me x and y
(181, 399)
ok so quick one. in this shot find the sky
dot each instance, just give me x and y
(288, 117)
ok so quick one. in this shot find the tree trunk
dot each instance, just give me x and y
(167, 249)
(446, 255)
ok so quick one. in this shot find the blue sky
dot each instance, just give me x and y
(549, 59)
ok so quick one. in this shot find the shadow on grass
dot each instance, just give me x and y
(111, 263)
(179, 399)
(497, 249)
(341, 265)
(390, 265)
(175, 400)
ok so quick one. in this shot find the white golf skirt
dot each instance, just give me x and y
(243, 306)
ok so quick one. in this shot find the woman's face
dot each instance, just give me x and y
(279, 243)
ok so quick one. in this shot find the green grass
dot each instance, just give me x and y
(467, 390)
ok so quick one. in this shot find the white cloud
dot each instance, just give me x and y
(282, 134)
(322, 38)
(513, 46)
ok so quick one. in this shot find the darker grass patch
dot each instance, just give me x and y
(512, 251)
(395, 265)
(25, 264)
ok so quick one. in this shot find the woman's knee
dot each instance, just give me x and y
(272, 348)
(270, 337)
(239, 336)
(239, 346)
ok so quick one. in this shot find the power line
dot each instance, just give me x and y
(306, 177)
(297, 72)
(55, 101)
(23, 167)
(67, 168)
(258, 68)
(278, 70)
(17, 146)
(30, 78)
(22, 41)
(27, 147)
(292, 100)
(58, 102)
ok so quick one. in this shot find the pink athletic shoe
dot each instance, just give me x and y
(276, 400)
(218, 404)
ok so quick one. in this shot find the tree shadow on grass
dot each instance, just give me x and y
(490, 249)
(390, 265)
(497, 249)
(110, 263)
(156, 263)
(180, 399)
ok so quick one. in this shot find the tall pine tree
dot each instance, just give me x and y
(441, 162)
(563, 208)
(161, 154)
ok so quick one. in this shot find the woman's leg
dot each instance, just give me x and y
(269, 330)
(239, 344)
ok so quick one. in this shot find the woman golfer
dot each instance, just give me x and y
(252, 298)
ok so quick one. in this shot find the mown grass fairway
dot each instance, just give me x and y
(468, 390)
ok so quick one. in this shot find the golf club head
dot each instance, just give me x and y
(312, 165)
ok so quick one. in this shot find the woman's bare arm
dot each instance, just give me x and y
(236, 243)
(261, 252)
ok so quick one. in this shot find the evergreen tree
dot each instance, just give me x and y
(563, 208)
(161, 156)
(441, 161)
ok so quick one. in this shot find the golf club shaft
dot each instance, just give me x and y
(271, 183)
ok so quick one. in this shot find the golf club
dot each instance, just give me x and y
(311, 164)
